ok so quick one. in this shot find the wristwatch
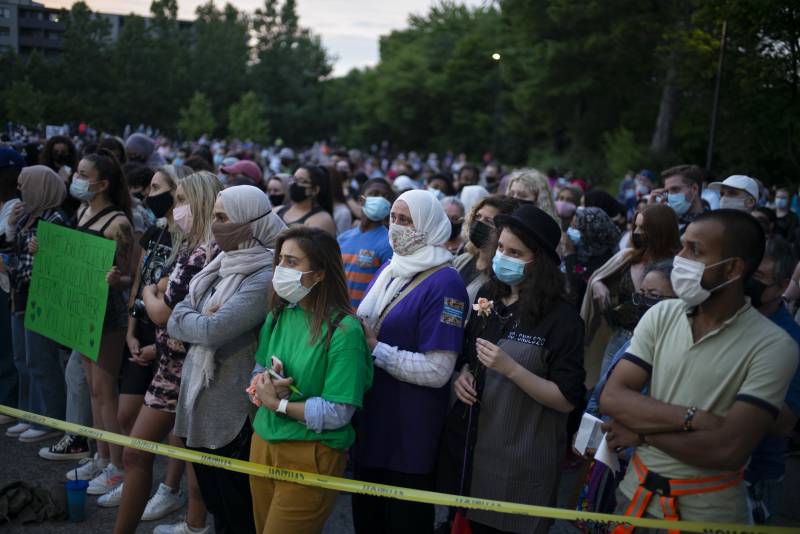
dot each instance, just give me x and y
(282, 406)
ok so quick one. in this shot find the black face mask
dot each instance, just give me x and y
(639, 241)
(276, 200)
(479, 233)
(455, 229)
(160, 204)
(755, 290)
(297, 193)
(642, 303)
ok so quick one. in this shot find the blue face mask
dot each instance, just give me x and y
(510, 271)
(678, 203)
(376, 208)
(781, 203)
(79, 188)
(574, 235)
(177, 162)
(218, 159)
(438, 194)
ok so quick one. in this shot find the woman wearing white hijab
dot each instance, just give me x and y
(413, 316)
(220, 316)
(471, 195)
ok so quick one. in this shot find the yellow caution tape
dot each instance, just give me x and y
(383, 490)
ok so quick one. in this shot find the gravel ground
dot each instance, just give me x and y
(20, 461)
(26, 465)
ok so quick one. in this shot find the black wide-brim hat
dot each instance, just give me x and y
(529, 221)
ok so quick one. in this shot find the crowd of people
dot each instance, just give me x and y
(431, 324)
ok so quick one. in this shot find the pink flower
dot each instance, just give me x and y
(484, 307)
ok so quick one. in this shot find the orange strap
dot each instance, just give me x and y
(675, 487)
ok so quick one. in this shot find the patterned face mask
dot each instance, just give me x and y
(405, 240)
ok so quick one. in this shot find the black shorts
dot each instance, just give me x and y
(135, 379)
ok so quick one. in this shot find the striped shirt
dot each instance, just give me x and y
(363, 253)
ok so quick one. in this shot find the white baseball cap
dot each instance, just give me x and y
(740, 182)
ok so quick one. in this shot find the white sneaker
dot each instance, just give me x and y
(87, 469)
(110, 478)
(163, 503)
(5, 419)
(180, 528)
(34, 435)
(16, 430)
(111, 499)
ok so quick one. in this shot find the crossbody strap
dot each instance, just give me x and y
(421, 277)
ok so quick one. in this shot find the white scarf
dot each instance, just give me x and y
(428, 217)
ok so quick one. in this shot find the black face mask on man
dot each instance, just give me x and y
(455, 230)
(755, 290)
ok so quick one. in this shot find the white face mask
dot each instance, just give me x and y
(733, 203)
(686, 280)
(286, 283)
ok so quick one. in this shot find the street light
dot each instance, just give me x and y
(496, 56)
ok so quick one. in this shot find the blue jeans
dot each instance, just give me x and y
(9, 379)
(79, 402)
(20, 362)
(618, 339)
(46, 387)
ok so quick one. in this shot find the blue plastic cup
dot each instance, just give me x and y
(76, 499)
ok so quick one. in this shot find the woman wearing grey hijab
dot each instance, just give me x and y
(219, 318)
(41, 379)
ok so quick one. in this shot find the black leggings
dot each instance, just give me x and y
(379, 515)
(227, 493)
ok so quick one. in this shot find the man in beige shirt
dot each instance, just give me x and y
(718, 373)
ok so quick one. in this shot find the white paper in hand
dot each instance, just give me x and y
(589, 433)
(605, 455)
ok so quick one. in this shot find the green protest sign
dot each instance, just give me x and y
(68, 292)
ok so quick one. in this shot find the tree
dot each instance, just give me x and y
(197, 117)
(84, 73)
(134, 78)
(247, 119)
(290, 66)
(24, 104)
(218, 60)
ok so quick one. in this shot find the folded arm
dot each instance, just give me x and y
(432, 369)
(242, 312)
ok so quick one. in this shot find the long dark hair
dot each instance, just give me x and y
(46, 155)
(329, 297)
(542, 287)
(109, 169)
(336, 181)
(660, 225)
(320, 178)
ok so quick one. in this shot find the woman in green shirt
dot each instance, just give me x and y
(310, 337)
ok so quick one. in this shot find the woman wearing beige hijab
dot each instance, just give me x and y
(41, 379)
